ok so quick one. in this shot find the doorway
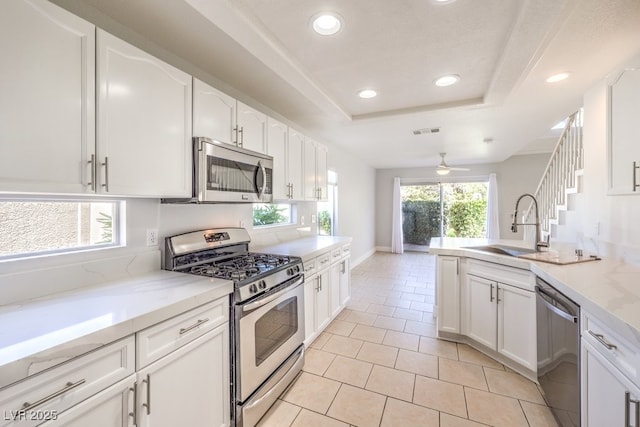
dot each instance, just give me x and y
(437, 209)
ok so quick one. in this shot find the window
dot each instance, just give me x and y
(33, 227)
(327, 211)
(271, 214)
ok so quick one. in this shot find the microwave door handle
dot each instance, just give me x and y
(261, 190)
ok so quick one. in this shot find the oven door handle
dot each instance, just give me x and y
(267, 299)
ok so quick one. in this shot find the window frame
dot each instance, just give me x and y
(118, 226)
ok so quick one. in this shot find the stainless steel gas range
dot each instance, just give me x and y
(267, 313)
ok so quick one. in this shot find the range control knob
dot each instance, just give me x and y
(253, 288)
(290, 271)
(262, 284)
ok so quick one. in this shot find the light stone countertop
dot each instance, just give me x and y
(607, 289)
(306, 248)
(41, 333)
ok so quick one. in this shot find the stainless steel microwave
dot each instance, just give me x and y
(224, 173)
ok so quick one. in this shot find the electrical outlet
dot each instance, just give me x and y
(301, 219)
(596, 228)
(313, 219)
(242, 223)
(152, 237)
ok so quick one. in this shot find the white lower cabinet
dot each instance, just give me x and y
(448, 293)
(502, 318)
(608, 397)
(326, 291)
(112, 407)
(190, 386)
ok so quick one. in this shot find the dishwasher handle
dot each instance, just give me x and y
(548, 300)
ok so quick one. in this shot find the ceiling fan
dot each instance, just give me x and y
(444, 169)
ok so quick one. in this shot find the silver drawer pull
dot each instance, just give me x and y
(195, 325)
(26, 406)
(601, 340)
(148, 403)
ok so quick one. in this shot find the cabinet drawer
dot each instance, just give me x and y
(346, 250)
(612, 345)
(161, 339)
(44, 396)
(513, 276)
(323, 261)
(336, 254)
(310, 267)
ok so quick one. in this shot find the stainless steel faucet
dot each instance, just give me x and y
(539, 243)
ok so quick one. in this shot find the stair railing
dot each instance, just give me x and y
(559, 175)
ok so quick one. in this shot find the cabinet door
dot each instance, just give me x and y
(214, 113)
(252, 126)
(604, 392)
(47, 87)
(321, 172)
(112, 407)
(517, 325)
(144, 122)
(481, 310)
(448, 294)
(345, 281)
(624, 149)
(189, 387)
(322, 301)
(334, 280)
(295, 164)
(277, 148)
(310, 289)
(310, 184)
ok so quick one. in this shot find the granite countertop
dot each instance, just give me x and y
(608, 289)
(306, 248)
(41, 333)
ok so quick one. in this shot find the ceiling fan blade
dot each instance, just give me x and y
(458, 169)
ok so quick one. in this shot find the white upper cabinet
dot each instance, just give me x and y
(624, 144)
(315, 171)
(285, 146)
(295, 162)
(47, 98)
(144, 122)
(277, 148)
(219, 116)
(214, 113)
(251, 128)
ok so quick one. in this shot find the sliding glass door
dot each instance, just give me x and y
(455, 209)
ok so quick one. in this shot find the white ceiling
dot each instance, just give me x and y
(502, 49)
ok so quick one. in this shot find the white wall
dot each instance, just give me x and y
(515, 176)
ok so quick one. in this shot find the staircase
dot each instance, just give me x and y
(561, 178)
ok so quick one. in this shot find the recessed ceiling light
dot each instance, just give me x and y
(447, 80)
(326, 24)
(367, 93)
(557, 77)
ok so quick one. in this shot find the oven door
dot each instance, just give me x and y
(268, 331)
(232, 174)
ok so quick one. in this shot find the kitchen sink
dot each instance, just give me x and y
(502, 250)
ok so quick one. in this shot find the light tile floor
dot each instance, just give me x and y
(379, 363)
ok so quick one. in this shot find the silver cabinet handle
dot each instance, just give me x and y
(92, 162)
(134, 413)
(148, 403)
(195, 325)
(601, 340)
(106, 174)
(498, 294)
(241, 136)
(26, 406)
(344, 267)
(635, 176)
(491, 293)
(627, 406)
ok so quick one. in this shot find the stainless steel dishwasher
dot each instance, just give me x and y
(558, 322)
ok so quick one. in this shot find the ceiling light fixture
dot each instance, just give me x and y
(443, 171)
(558, 77)
(443, 1)
(367, 93)
(326, 24)
(447, 80)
